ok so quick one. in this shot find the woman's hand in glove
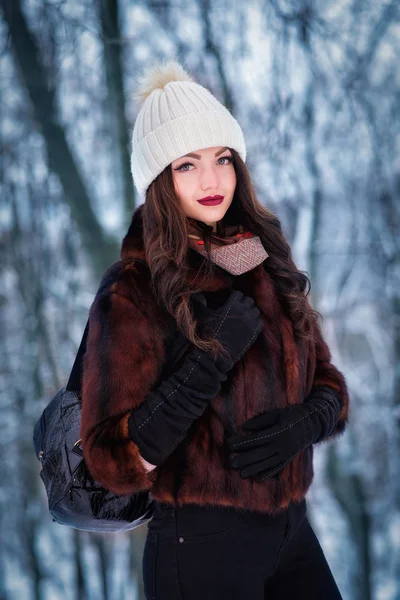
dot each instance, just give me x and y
(275, 437)
(236, 324)
(161, 422)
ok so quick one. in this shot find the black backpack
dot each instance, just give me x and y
(74, 498)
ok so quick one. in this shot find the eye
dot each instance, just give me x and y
(228, 158)
(181, 168)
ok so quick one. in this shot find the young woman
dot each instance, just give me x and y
(224, 443)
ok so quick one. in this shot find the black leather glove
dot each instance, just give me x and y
(159, 424)
(276, 436)
(236, 324)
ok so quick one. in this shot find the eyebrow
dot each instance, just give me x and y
(193, 155)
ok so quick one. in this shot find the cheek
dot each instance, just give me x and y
(182, 192)
(184, 186)
(231, 180)
(178, 187)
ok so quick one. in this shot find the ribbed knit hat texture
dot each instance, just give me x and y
(177, 116)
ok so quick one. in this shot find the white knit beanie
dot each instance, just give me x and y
(177, 116)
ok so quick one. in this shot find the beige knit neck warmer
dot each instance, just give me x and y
(231, 247)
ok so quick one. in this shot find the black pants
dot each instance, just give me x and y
(224, 553)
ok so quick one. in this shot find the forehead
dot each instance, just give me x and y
(213, 151)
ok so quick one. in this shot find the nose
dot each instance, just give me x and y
(209, 178)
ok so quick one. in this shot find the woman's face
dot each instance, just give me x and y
(207, 172)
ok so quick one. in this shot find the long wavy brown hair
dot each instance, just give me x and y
(165, 239)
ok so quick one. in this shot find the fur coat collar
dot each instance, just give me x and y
(126, 350)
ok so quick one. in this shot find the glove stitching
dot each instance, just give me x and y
(278, 468)
(281, 430)
(249, 343)
(169, 452)
(172, 392)
(226, 314)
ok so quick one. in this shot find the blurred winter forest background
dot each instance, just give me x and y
(315, 84)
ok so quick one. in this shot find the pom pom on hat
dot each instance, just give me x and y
(177, 116)
(157, 77)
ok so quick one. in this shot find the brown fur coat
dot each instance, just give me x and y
(126, 349)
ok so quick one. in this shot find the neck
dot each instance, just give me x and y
(213, 225)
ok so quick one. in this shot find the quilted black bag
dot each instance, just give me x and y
(74, 498)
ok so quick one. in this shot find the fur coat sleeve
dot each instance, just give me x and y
(327, 374)
(120, 364)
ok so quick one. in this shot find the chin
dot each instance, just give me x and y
(212, 213)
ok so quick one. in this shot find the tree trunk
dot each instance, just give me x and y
(100, 249)
(112, 46)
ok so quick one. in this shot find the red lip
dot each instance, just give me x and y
(211, 200)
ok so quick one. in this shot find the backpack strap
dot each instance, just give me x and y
(74, 381)
(75, 378)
